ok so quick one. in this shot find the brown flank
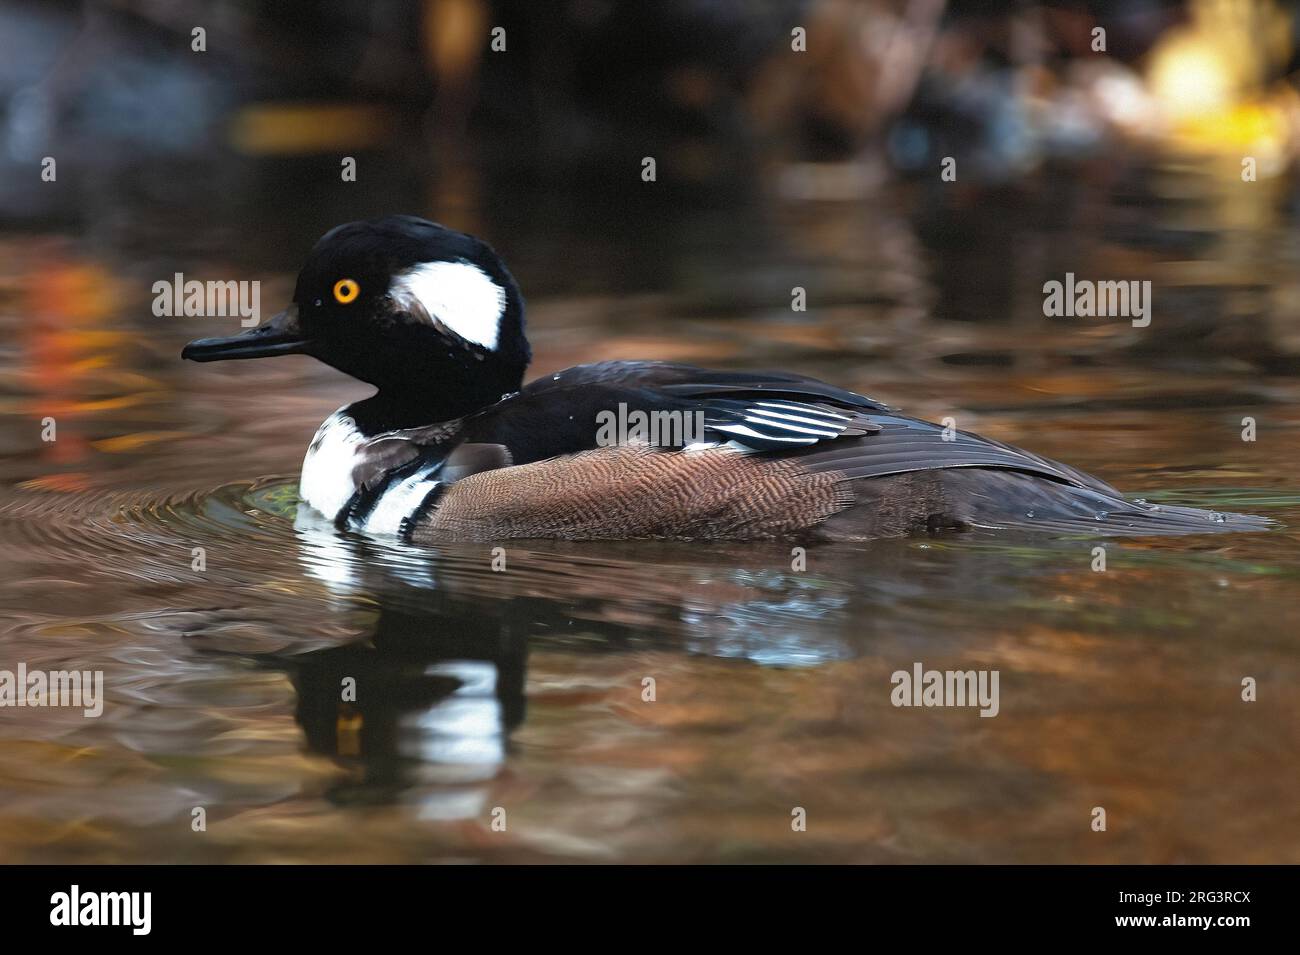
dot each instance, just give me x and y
(634, 491)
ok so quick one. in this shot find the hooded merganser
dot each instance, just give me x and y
(453, 445)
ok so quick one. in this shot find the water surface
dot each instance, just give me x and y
(522, 690)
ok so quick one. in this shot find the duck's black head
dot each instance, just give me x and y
(428, 315)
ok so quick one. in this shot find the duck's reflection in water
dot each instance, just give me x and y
(429, 698)
(422, 706)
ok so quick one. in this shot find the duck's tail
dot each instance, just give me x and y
(1011, 500)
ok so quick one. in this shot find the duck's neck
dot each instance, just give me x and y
(396, 409)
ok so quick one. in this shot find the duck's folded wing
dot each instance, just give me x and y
(901, 445)
(750, 410)
(830, 429)
(826, 428)
(686, 381)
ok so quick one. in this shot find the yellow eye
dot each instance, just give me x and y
(346, 291)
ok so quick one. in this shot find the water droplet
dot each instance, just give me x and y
(1029, 513)
(1102, 515)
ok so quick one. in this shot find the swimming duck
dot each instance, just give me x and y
(453, 444)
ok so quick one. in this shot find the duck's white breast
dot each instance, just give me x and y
(326, 482)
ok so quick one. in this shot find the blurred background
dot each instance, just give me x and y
(797, 144)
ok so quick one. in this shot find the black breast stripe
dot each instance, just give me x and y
(365, 498)
(421, 511)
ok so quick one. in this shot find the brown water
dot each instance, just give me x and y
(522, 690)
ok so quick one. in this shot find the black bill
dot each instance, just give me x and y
(279, 336)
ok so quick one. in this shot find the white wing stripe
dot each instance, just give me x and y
(791, 428)
(776, 418)
(740, 429)
(803, 409)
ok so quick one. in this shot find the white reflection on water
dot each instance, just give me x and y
(325, 555)
(466, 731)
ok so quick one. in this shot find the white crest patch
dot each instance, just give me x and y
(458, 295)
